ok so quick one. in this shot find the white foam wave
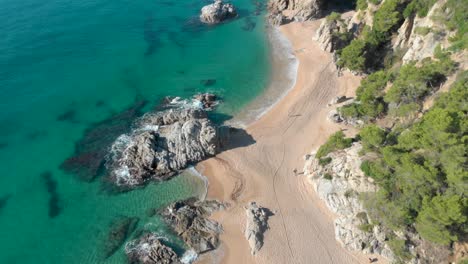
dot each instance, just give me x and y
(189, 256)
(196, 173)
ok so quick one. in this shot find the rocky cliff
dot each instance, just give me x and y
(418, 37)
(298, 10)
(339, 184)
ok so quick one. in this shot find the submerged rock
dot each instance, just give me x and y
(119, 231)
(162, 144)
(257, 224)
(149, 249)
(189, 219)
(217, 12)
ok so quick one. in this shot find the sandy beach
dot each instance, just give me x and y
(261, 168)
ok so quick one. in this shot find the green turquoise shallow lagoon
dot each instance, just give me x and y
(66, 66)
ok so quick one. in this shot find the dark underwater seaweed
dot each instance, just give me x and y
(88, 158)
(36, 134)
(151, 36)
(208, 82)
(51, 186)
(69, 116)
(249, 24)
(4, 200)
(100, 103)
(119, 231)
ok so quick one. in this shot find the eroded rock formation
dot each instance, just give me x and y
(332, 35)
(257, 224)
(299, 10)
(161, 145)
(189, 219)
(149, 249)
(338, 183)
(217, 12)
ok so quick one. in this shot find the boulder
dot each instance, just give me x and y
(207, 101)
(149, 249)
(189, 219)
(257, 224)
(217, 12)
(162, 144)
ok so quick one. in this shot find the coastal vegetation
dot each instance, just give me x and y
(414, 149)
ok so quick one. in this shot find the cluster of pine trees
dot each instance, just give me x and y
(420, 166)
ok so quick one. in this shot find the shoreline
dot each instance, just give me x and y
(283, 77)
(302, 227)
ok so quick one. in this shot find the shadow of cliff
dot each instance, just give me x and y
(233, 137)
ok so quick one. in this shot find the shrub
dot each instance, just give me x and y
(353, 56)
(399, 248)
(325, 161)
(372, 137)
(423, 31)
(361, 4)
(334, 16)
(366, 227)
(336, 141)
(328, 176)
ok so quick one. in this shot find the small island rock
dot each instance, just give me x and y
(217, 12)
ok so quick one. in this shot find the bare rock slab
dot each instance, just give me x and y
(257, 224)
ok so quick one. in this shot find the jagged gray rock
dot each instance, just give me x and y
(217, 12)
(189, 219)
(162, 144)
(148, 249)
(257, 224)
(340, 194)
(331, 34)
(301, 10)
(417, 45)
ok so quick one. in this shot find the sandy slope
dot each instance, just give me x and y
(302, 229)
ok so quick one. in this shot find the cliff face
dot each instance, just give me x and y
(419, 37)
(338, 184)
(298, 10)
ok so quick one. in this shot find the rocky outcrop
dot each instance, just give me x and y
(257, 224)
(338, 183)
(420, 36)
(149, 249)
(299, 10)
(206, 101)
(332, 35)
(189, 219)
(162, 144)
(217, 12)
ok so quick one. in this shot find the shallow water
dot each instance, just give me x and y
(68, 67)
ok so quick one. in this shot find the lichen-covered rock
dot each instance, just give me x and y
(331, 35)
(161, 145)
(189, 219)
(301, 10)
(257, 224)
(148, 249)
(217, 12)
(338, 184)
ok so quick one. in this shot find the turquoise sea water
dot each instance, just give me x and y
(67, 67)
